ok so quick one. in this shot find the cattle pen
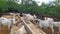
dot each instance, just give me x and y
(30, 28)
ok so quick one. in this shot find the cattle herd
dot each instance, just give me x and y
(15, 25)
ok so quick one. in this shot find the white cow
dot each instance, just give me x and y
(34, 16)
(13, 16)
(45, 24)
(47, 18)
(18, 30)
(22, 30)
(29, 17)
(5, 22)
(57, 24)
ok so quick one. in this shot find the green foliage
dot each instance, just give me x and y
(11, 6)
(3, 6)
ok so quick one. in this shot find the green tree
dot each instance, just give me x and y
(3, 6)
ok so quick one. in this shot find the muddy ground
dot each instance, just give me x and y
(48, 31)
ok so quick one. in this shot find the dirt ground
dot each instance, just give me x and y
(4, 30)
(48, 31)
